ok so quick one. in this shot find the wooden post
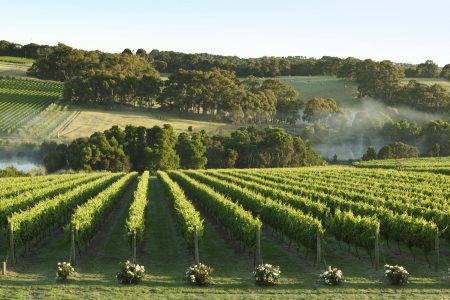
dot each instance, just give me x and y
(258, 247)
(377, 247)
(4, 268)
(319, 254)
(436, 246)
(134, 246)
(196, 253)
(72, 246)
(11, 244)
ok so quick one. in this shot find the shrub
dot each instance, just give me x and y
(396, 274)
(333, 276)
(199, 274)
(130, 273)
(266, 274)
(64, 270)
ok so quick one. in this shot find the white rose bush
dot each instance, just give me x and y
(266, 274)
(130, 273)
(199, 274)
(64, 270)
(396, 275)
(332, 276)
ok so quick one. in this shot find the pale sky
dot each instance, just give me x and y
(403, 31)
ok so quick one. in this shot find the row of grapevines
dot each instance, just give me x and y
(363, 227)
(232, 216)
(423, 195)
(23, 84)
(439, 217)
(27, 199)
(428, 164)
(400, 227)
(188, 218)
(352, 229)
(316, 209)
(12, 186)
(37, 219)
(299, 227)
(89, 215)
(135, 221)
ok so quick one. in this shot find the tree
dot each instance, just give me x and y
(127, 51)
(348, 68)
(335, 159)
(319, 108)
(191, 150)
(432, 98)
(378, 79)
(434, 151)
(219, 154)
(427, 69)
(288, 103)
(371, 154)
(56, 159)
(398, 150)
(437, 131)
(402, 130)
(445, 73)
(141, 52)
(160, 152)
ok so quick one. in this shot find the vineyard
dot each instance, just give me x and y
(424, 164)
(302, 219)
(22, 100)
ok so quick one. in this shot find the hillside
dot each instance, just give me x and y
(64, 121)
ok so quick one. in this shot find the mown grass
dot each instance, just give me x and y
(165, 256)
(13, 70)
(17, 60)
(91, 120)
(343, 91)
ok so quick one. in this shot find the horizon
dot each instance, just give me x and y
(245, 30)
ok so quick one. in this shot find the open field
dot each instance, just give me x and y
(166, 252)
(343, 91)
(17, 60)
(442, 81)
(13, 69)
(91, 120)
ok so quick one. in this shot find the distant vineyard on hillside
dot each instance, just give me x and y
(22, 100)
(425, 164)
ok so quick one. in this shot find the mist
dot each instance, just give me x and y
(348, 134)
(24, 157)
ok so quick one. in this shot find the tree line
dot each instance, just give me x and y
(383, 80)
(394, 150)
(171, 61)
(217, 93)
(134, 78)
(434, 137)
(160, 148)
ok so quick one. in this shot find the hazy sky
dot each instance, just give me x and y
(402, 31)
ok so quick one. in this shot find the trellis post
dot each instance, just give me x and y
(319, 252)
(436, 248)
(258, 259)
(72, 246)
(377, 246)
(196, 252)
(134, 247)
(11, 244)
